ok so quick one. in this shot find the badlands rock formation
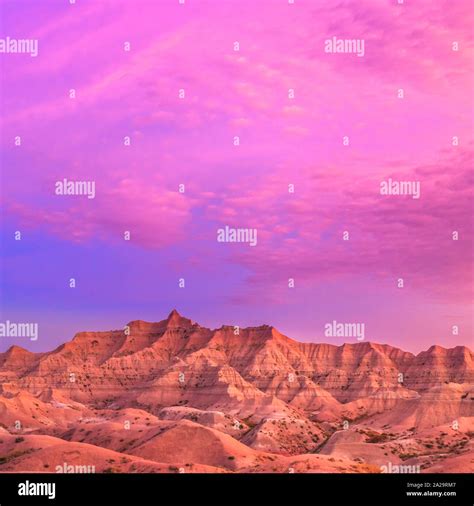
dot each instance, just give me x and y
(173, 396)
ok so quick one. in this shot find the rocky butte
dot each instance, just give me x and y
(173, 396)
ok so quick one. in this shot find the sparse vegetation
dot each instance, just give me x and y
(14, 455)
(373, 437)
(249, 423)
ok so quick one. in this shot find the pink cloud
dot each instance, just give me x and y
(283, 140)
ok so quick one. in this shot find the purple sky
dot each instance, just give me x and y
(283, 141)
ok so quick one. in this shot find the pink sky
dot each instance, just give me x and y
(282, 141)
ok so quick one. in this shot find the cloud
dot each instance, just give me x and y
(190, 141)
(155, 219)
